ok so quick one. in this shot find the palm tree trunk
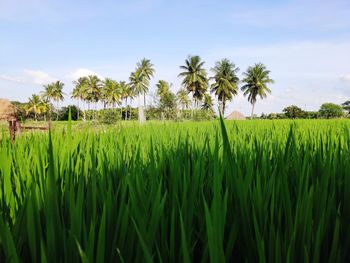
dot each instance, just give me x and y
(144, 99)
(253, 105)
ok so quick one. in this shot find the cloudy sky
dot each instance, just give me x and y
(305, 44)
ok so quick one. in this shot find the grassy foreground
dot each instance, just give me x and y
(254, 191)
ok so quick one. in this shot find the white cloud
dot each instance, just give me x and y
(37, 77)
(9, 78)
(29, 76)
(82, 72)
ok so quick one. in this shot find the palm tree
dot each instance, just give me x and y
(207, 103)
(163, 88)
(58, 91)
(225, 84)
(93, 90)
(111, 92)
(194, 77)
(49, 94)
(79, 91)
(147, 71)
(54, 92)
(139, 87)
(256, 79)
(125, 93)
(36, 105)
(183, 99)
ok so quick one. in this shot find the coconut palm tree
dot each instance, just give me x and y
(139, 86)
(79, 91)
(36, 105)
(194, 78)
(225, 84)
(163, 88)
(147, 71)
(183, 99)
(58, 91)
(54, 92)
(125, 93)
(92, 93)
(207, 103)
(111, 92)
(255, 82)
(48, 94)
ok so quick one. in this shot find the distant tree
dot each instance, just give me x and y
(255, 81)
(93, 90)
(294, 112)
(225, 84)
(53, 92)
(64, 113)
(167, 99)
(79, 91)
(182, 99)
(139, 87)
(163, 88)
(195, 79)
(331, 110)
(207, 103)
(147, 71)
(346, 106)
(36, 105)
(111, 93)
(125, 93)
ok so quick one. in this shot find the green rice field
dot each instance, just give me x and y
(246, 191)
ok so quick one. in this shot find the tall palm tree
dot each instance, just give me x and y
(58, 91)
(139, 87)
(194, 78)
(207, 103)
(255, 82)
(111, 92)
(54, 92)
(183, 99)
(49, 94)
(79, 91)
(147, 71)
(93, 90)
(225, 84)
(125, 92)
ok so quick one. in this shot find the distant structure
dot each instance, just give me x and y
(8, 112)
(235, 115)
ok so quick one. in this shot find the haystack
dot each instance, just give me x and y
(8, 111)
(235, 115)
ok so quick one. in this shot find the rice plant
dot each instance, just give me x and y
(257, 191)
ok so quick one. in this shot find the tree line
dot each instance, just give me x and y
(223, 84)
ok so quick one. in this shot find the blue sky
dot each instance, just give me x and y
(305, 44)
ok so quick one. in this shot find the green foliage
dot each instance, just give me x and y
(346, 106)
(294, 112)
(331, 110)
(254, 191)
(225, 84)
(63, 113)
(256, 80)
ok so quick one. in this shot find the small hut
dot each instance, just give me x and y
(235, 115)
(8, 112)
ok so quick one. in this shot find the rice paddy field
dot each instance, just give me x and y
(249, 191)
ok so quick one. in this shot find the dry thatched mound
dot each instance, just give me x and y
(235, 115)
(8, 111)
